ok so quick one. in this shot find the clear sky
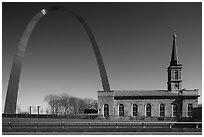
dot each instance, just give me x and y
(135, 40)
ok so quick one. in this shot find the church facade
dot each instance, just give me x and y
(151, 105)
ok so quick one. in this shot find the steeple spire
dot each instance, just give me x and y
(174, 70)
(174, 56)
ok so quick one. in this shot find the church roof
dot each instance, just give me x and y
(151, 93)
(143, 93)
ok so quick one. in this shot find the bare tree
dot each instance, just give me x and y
(90, 103)
(54, 102)
(73, 105)
(65, 104)
(81, 106)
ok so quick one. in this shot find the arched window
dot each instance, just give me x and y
(148, 110)
(175, 110)
(162, 110)
(190, 110)
(121, 110)
(106, 110)
(134, 108)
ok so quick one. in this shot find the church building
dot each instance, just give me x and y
(151, 105)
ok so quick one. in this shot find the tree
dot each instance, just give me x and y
(54, 102)
(66, 105)
(73, 105)
(90, 103)
(81, 106)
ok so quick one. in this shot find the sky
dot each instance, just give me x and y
(135, 40)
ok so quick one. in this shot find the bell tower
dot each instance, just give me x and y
(174, 70)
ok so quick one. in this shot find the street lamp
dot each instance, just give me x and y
(38, 110)
(30, 109)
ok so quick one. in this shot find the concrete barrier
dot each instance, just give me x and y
(101, 127)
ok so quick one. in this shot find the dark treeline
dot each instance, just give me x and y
(68, 105)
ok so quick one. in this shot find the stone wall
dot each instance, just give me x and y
(105, 97)
(141, 104)
(194, 102)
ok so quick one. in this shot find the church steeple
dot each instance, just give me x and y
(174, 56)
(174, 70)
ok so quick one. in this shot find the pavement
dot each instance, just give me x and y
(101, 133)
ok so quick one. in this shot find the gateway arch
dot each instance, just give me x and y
(12, 90)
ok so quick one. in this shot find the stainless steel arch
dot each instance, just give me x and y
(12, 90)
